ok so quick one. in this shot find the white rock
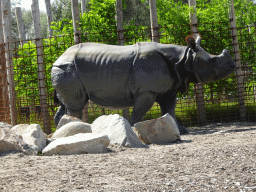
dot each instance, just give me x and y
(5, 125)
(78, 144)
(118, 130)
(159, 131)
(72, 128)
(20, 129)
(67, 119)
(31, 134)
(11, 142)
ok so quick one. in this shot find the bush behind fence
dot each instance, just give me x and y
(221, 98)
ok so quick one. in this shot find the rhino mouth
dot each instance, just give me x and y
(232, 65)
(229, 66)
(222, 72)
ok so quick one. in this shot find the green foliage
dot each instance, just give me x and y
(136, 13)
(26, 74)
(99, 24)
(25, 66)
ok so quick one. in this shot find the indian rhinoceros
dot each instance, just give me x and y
(118, 77)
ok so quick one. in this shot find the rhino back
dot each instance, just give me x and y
(67, 57)
(105, 72)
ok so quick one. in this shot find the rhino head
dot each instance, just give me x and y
(204, 66)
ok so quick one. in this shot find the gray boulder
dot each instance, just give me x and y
(11, 142)
(72, 128)
(31, 134)
(117, 129)
(78, 144)
(159, 131)
(67, 119)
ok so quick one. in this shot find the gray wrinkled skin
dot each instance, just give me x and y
(118, 77)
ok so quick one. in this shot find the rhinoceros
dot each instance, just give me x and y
(119, 77)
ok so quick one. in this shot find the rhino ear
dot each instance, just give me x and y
(191, 42)
(198, 40)
(189, 61)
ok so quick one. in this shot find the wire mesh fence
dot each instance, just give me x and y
(220, 98)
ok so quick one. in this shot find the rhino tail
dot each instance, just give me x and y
(56, 101)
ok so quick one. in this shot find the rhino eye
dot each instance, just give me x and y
(197, 48)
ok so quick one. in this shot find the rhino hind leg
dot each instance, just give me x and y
(167, 104)
(142, 104)
(60, 112)
(71, 93)
(75, 102)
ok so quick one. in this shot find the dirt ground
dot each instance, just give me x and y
(216, 157)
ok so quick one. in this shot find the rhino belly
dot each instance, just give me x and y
(109, 89)
(112, 101)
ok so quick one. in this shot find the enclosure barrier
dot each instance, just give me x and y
(221, 98)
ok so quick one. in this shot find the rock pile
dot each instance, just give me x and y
(75, 137)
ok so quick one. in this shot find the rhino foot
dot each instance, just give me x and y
(183, 129)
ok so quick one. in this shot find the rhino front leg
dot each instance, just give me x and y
(167, 104)
(142, 104)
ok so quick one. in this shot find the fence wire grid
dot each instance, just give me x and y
(220, 97)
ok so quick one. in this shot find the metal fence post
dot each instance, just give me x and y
(40, 67)
(199, 86)
(6, 14)
(237, 59)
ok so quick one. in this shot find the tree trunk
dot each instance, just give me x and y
(83, 6)
(120, 38)
(77, 39)
(40, 67)
(6, 16)
(237, 59)
(49, 16)
(76, 20)
(199, 86)
(20, 25)
(153, 21)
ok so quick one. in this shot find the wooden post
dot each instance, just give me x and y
(237, 59)
(6, 17)
(199, 86)
(76, 20)
(49, 16)
(20, 25)
(40, 67)
(77, 33)
(153, 21)
(2, 71)
(119, 17)
(83, 6)
(120, 36)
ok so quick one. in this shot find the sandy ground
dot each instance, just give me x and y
(217, 157)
